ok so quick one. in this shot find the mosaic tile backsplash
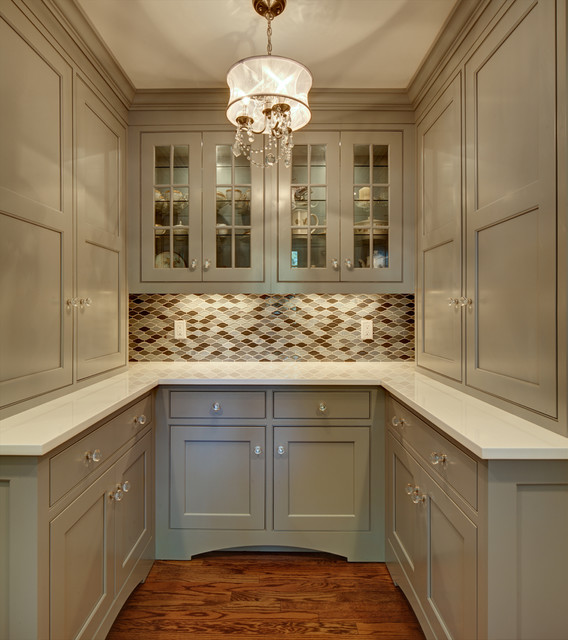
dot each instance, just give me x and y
(247, 327)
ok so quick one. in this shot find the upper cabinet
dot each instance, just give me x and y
(204, 220)
(62, 217)
(487, 261)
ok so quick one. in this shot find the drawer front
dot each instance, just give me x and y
(76, 462)
(307, 405)
(218, 404)
(441, 456)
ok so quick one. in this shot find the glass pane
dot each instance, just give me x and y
(162, 207)
(162, 248)
(319, 213)
(180, 249)
(381, 212)
(242, 174)
(318, 164)
(162, 164)
(223, 155)
(380, 193)
(300, 164)
(242, 208)
(181, 164)
(361, 166)
(380, 155)
(224, 250)
(242, 248)
(318, 251)
(361, 250)
(380, 175)
(361, 205)
(380, 251)
(299, 252)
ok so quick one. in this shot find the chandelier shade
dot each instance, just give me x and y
(259, 82)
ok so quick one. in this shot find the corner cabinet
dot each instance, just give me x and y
(257, 467)
(201, 210)
(477, 546)
(79, 529)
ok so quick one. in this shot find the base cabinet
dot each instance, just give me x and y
(270, 467)
(87, 508)
(478, 547)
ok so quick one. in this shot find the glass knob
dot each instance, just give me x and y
(465, 302)
(416, 497)
(94, 456)
(206, 264)
(438, 458)
(335, 264)
(397, 422)
(348, 263)
(140, 420)
(409, 489)
(322, 407)
(72, 302)
(280, 450)
(216, 407)
(117, 494)
(193, 264)
(453, 302)
(257, 450)
(126, 486)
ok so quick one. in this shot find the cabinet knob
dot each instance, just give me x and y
(117, 494)
(409, 489)
(72, 302)
(140, 420)
(85, 302)
(417, 497)
(465, 302)
(125, 486)
(216, 407)
(193, 264)
(94, 456)
(257, 450)
(348, 263)
(280, 450)
(322, 407)
(453, 302)
(206, 265)
(438, 458)
(398, 422)
(335, 264)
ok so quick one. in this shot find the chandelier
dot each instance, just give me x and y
(268, 96)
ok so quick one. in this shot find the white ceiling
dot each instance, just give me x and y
(365, 44)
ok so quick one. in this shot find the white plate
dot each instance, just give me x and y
(163, 261)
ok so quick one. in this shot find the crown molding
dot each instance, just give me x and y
(320, 99)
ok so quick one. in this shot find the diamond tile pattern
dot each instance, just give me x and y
(277, 328)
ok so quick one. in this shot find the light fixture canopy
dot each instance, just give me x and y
(268, 95)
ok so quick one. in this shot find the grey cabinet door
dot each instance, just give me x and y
(81, 562)
(133, 519)
(217, 477)
(101, 275)
(321, 478)
(36, 203)
(511, 209)
(439, 270)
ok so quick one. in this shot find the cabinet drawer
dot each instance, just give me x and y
(217, 404)
(441, 456)
(322, 404)
(76, 462)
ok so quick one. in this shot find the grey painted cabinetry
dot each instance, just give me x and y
(80, 530)
(261, 467)
(62, 218)
(476, 546)
(492, 129)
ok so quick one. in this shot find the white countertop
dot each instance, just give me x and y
(488, 432)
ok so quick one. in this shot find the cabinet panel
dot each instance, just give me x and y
(511, 210)
(439, 326)
(321, 478)
(81, 569)
(217, 404)
(217, 477)
(133, 513)
(101, 276)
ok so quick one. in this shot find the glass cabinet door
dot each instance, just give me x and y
(371, 216)
(171, 207)
(232, 213)
(308, 210)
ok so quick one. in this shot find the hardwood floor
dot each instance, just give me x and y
(269, 596)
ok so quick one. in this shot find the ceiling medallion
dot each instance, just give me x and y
(268, 96)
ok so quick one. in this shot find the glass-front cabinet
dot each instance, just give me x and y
(232, 213)
(371, 206)
(201, 210)
(309, 210)
(171, 206)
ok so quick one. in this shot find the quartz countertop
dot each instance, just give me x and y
(486, 431)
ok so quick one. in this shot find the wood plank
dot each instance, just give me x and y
(281, 596)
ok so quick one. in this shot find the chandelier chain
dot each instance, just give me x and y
(269, 33)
